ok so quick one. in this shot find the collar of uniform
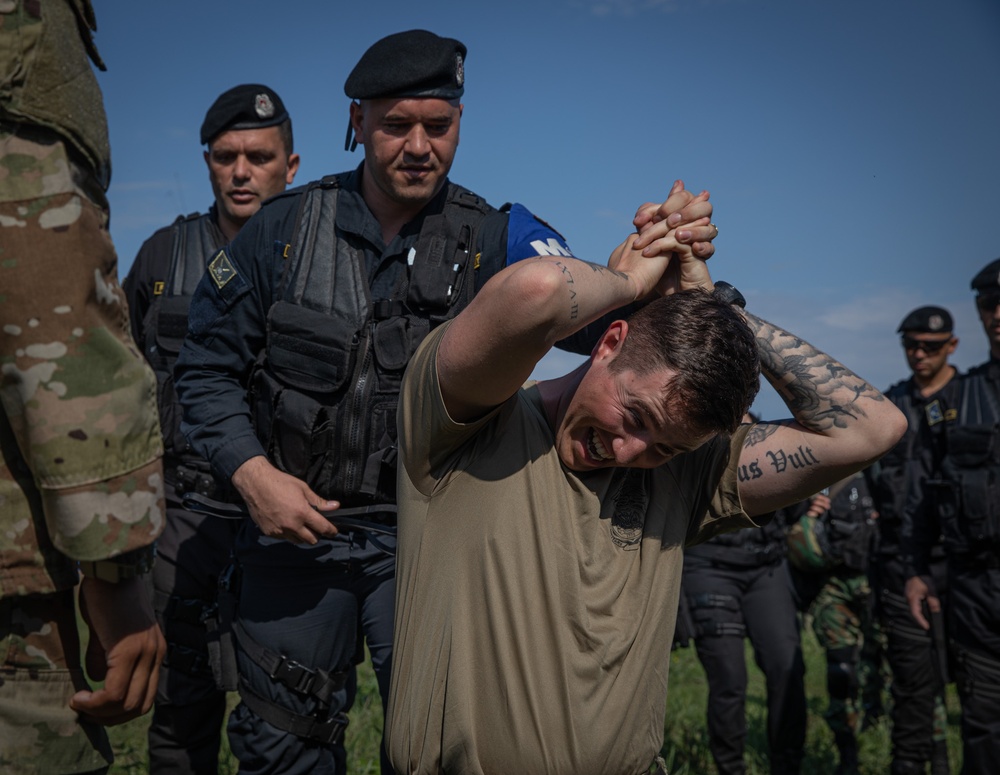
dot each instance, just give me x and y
(354, 217)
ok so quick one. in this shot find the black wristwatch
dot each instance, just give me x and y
(121, 567)
(727, 293)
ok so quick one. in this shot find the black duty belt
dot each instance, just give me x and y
(378, 519)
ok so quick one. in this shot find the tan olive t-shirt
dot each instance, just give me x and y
(535, 606)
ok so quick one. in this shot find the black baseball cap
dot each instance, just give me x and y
(249, 106)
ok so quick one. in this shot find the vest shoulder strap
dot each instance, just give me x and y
(195, 241)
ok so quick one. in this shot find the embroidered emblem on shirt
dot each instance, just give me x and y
(934, 412)
(158, 287)
(631, 501)
(221, 270)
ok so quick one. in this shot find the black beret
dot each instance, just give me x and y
(250, 106)
(416, 63)
(988, 278)
(927, 320)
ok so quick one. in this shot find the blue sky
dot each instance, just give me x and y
(850, 146)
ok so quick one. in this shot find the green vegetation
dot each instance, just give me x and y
(685, 749)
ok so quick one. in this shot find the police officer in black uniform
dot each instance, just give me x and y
(737, 586)
(249, 155)
(919, 718)
(289, 378)
(963, 505)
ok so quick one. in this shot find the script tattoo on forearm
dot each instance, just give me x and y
(574, 307)
(779, 459)
(821, 392)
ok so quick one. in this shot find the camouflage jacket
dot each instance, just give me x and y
(80, 475)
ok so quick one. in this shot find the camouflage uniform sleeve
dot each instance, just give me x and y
(76, 396)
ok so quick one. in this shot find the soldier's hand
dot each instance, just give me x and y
(125, 651)
(690, 215)
(818, 505)
(919, 589)
(281, 505)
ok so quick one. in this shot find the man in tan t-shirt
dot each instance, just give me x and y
(541, 528)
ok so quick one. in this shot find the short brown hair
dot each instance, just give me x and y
(710, 347)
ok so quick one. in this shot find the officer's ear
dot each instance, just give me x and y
(357, 122)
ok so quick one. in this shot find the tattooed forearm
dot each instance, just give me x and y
(601, 269)
(821, 392)
(574, 307)
(582, 282)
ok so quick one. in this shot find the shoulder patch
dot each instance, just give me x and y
(158, 287)
(221, 270)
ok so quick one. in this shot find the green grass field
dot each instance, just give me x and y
(685, 748)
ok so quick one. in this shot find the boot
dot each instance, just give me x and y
(939, 759)
(847, 746)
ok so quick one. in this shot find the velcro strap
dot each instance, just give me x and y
(329, 731)
(311, 682)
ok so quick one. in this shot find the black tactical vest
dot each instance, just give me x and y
(324, 391)
(165, 325)
(968, 493)
(750, 547)
(890, 477)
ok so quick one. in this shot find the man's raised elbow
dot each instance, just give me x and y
(890, 427)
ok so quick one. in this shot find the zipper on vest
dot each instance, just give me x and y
(359, 417)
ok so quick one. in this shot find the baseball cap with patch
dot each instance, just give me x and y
(927, 320)
(249, 106)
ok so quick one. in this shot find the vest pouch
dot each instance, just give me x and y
(971, 461)
(392, 344)
(309, 350)
(308, 363)
(437, 268)
(168, 326)
(379, 478)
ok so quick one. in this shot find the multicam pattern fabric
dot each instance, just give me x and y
(80, 477)
(38, 732)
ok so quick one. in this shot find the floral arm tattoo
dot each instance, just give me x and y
(821, 392)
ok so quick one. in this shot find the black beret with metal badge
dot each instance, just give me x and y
(249, 106)
(927, 320)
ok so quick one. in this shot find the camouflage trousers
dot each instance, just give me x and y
(39, 672)
(857, 674)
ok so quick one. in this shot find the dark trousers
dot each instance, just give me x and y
(974, 621)
(316, 606)
(765, 611)
(186, 728)
(917, 685)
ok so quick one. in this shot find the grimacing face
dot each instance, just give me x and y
(621, 419)
(245, 167)
(410, 144)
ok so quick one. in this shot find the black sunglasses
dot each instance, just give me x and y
(911, 344)
(988, 302)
